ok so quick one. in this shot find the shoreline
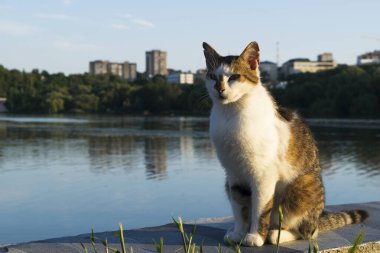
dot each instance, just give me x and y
(211, 232)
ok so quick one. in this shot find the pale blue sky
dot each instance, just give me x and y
(64, 35)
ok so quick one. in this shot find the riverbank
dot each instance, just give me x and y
(211, 231)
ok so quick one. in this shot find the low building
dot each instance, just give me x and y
(2, 104)
(126, 70)
(369, 58)
(200, 74)
(303, 65)
(269, 70)
(180, 78)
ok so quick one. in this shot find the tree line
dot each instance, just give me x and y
(41, 92)
(343, 92)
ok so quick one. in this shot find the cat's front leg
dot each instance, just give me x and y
(240, 200)
(262, 203)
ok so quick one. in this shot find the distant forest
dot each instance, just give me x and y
(344, 92)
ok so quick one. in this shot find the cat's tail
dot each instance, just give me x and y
(330, 220)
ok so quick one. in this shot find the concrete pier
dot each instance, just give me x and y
(211, 232)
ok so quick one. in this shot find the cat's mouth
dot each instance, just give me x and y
(221, 97)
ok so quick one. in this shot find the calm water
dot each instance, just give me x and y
(64, 176)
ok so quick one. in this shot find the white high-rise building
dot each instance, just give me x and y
(156, 63)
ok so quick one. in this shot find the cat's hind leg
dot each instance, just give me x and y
(302, 203)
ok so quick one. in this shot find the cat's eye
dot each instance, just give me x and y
(234, 77)
(212, 76)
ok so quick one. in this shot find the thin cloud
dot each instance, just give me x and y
(18, 29)
(5, 7)
(53, 16)
(127, 15)
(120, 26)
(143, 23)
(67, 2)
(75, 46)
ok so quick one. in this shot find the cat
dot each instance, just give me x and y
(269, 156)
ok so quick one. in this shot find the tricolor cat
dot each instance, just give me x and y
(269, 156)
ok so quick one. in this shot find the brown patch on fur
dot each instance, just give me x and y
(247, 64)
(246, 74)
(285, 114)
(264, 219)
(302, 152)
(305, 194)
(303, 200)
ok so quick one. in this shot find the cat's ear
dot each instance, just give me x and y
(251, 55)
(212, 57)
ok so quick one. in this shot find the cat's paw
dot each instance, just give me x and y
(253, 240)
(285, 236)
(273, 236)
(233, 237)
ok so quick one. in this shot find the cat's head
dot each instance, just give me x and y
(229, 78)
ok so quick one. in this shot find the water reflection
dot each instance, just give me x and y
(130, 143)
(108, 153)
(346, 149)
(155, 154)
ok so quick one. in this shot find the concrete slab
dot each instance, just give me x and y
(210, 231)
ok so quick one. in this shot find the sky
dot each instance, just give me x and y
(65, 35)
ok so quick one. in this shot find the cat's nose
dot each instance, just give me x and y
(219, 88)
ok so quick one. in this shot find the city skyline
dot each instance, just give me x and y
(64, 35)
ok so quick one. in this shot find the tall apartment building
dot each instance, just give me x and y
(114, 68)
(129, 71)
(294, 66)
(156, 63)
(126, 70)
(369, 58)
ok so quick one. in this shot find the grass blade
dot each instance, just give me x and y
(192, 248)
(159, 246)
(93, 241)
(315, 247)
(280, 220)
(84, 247)
(122, 238)
(182, 232)
(105, 243)
(358, 240)
(219, 249)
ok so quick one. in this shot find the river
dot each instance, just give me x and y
(64, 175)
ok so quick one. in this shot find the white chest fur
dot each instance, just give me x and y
(249, 139)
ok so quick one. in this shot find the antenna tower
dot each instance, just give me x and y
(278, 53)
